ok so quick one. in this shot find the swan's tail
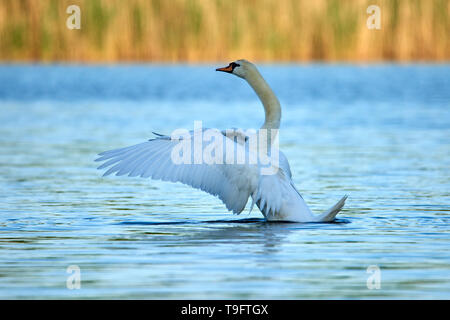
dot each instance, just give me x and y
(332, 212)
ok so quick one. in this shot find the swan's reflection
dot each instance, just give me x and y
(262, 236)
(258, 235)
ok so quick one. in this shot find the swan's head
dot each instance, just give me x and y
(241, 68)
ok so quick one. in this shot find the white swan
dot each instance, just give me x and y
(233, 182)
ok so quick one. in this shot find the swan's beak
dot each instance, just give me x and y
(228, 69)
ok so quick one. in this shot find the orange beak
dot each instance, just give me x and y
(228, 69)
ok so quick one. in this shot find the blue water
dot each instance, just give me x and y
(379, 133)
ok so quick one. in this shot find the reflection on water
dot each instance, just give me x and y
(380, 134)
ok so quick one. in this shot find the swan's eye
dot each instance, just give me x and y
(234, 65)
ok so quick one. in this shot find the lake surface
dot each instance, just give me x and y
(379, 133)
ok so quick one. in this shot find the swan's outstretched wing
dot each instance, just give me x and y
(159, 158)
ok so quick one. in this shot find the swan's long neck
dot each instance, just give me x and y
(270, 102)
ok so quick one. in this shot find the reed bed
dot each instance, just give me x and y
(218, 30)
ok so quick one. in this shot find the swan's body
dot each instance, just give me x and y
(274, 193)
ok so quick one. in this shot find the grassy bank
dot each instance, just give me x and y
(211, 30)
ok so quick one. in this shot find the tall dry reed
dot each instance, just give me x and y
(211, 30)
